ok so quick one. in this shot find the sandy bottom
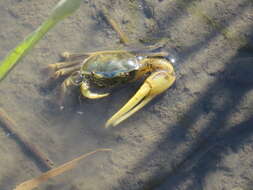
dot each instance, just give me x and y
(197, 135)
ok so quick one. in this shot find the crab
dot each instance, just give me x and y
(111, 68)
(108, 69)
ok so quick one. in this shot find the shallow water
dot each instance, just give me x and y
(196, 135)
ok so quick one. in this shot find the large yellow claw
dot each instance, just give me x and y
(155, 84)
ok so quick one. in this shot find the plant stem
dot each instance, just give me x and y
(60, 11)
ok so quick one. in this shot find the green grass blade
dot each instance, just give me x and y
(18, 52)
(60, 11)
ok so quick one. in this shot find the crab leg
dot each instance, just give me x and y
(65, 71)
(63, 90)
(73, 56)
(71, 81)
(61, 65)
(155, 84)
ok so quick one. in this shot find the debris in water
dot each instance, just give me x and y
(35, 182)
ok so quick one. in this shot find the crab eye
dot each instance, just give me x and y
(172, 56)
(140, 57)
(173, 60)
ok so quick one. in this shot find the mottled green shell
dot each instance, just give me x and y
(110, 65)
(110, 69)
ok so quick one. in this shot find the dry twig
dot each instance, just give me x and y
(10, 126)
(35, 182)
(123, 38)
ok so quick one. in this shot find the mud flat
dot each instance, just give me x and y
(197, 135)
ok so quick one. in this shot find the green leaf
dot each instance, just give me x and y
(60, 11)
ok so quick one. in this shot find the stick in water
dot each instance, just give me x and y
(35, 182)
(11, 127)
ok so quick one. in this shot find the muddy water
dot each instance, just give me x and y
(196, 135)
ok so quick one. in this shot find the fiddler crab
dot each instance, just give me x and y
(108, 69)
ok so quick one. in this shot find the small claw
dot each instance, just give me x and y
(91, 95)
(155, 84)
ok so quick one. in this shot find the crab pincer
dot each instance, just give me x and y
(155, 84)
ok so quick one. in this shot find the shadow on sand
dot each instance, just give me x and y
(220, 99)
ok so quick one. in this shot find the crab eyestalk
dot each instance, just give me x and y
(60, 11)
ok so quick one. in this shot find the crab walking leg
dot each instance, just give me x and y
(74, 80)
(73, 56)
(63, 90)
(155, 54)
(155, 84)
(91, 95)
(61, 65)
(65, 71)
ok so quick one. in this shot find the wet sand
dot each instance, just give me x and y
(197, 135)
